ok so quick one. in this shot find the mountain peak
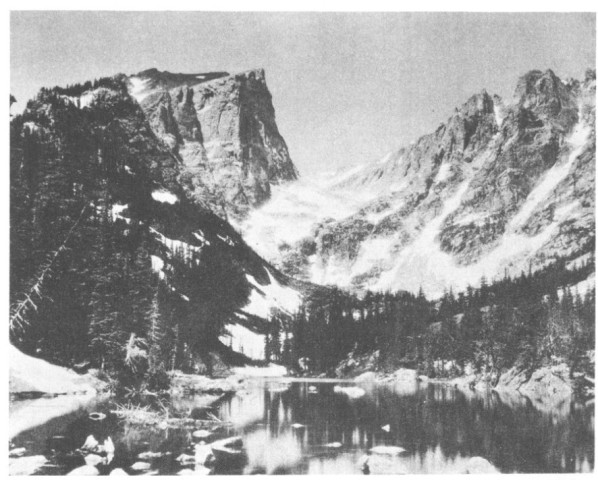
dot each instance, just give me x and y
(480, 103)
(543, 92)
(220, 122)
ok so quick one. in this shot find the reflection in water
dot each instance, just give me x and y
(288, 427)
(441, 428)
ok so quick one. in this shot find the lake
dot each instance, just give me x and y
(321, 427)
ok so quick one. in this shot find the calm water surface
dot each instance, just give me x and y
(306, 427)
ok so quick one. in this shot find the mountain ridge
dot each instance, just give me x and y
(468, 178)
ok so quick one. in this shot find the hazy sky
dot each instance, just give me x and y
(347, 87)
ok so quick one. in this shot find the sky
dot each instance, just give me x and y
(347, 87)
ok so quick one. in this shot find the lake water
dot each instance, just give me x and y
(310, 427)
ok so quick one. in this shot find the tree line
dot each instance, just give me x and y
(529, 319)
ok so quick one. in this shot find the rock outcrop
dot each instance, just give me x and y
(223, 129)
(500, 185)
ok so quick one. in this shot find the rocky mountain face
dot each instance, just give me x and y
(116, 254)
(502, 186)
(222, 128)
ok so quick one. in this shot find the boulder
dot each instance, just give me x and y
(94, 460)
(479, 465)
(203, 454)
(140, 466)
(367, 377)
(86, 470)
(118, 472)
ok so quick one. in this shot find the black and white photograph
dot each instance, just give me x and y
(267, 242)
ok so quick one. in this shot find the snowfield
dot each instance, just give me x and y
(383, 262)
(164, 196)
(264, 298)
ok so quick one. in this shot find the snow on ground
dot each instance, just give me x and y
(32, 126)
(138, 88)
(499, 114)
(116, 211)
(82, 101)
(264, 298)
(257, 305)
(244, 341)
(291, 214)
(340, 177)
(86, 98)
(29, 374)
(553, 177)
(373, 253)
(164, 196)
(577, 263)
(385, 158)
(28, 414)
(424, 263)
(444, 173)
(477, 218)
(157, 266)
(580, 288)
(421, 259)
(178, 247)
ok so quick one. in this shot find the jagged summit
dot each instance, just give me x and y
(499, 185)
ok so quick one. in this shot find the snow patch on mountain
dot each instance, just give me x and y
(264, 298)
(245, 341)
(554, 176)
(139, 88)
(164, 196)
(444, 172)
(291, 214)
(116, 212)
